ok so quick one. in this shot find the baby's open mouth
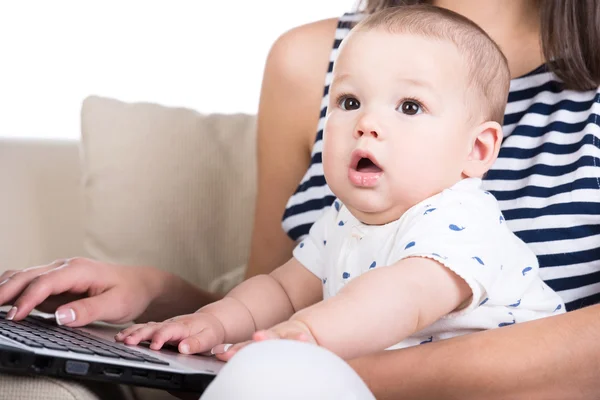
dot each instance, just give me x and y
(365, 164)
(364, 170)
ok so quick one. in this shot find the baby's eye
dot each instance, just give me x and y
(410, 107)
(349, 103)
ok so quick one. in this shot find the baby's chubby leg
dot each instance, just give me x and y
(286, 369)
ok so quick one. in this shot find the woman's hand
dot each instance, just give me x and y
(192, 333)
(80, 291)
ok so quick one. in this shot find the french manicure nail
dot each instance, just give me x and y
(65, 316)
(220, 349)
(11, 313)
(185, 349)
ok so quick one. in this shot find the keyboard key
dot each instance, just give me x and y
(128, 356)
(81, 350)
(154, 360)
(31, 343)
(53, 346)
(105, 353)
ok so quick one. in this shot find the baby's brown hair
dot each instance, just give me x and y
(488, 74)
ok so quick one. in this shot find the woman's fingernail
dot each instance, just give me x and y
(220, 349)
(11, 313)
(184, 348)
(65, 316)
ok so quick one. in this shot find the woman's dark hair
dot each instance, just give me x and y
(570, 37)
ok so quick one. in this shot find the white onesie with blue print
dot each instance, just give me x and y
(463, 229)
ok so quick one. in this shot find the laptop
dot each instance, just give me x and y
(38, 346)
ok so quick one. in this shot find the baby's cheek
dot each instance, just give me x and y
(411, 176)
(410, 165)
(335, 161)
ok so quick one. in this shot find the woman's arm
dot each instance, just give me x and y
(287, 121)
(552, 358)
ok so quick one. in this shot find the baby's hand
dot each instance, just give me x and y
(290, 330)
(192, 333)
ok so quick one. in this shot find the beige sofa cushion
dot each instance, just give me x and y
(167, 187)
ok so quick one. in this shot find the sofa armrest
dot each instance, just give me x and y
(41, 202)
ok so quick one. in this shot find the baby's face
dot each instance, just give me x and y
(398, 126)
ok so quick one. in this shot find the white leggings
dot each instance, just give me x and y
(284, 369)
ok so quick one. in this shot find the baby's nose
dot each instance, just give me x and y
(368, 132)
(368, 125)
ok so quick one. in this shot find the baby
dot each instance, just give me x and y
(413, 250)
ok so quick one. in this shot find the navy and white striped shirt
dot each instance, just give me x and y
(546, 178)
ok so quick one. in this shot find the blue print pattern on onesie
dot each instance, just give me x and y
(456, 228)
(517, 304)
(508, 323)
(428, 340)
(478, 260)
(373, 265)
(408, 246)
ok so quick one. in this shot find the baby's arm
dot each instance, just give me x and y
(384, 306)
(265, 300)
(258, 303)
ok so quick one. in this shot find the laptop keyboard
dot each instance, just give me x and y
(41, 333)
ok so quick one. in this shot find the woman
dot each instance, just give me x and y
(552, 358)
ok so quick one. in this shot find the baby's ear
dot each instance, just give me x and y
(485, 145)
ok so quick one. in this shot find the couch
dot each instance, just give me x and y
(146, 184)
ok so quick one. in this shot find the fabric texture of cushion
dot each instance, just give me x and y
(168, 187)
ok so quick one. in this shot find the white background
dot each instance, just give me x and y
(203, 54)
